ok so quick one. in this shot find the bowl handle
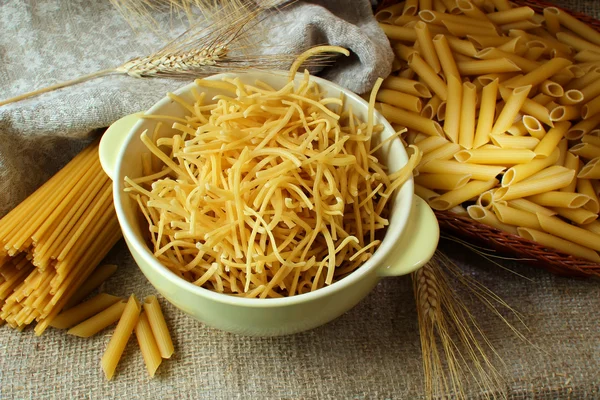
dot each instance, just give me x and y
(418, 243)
(112, 141)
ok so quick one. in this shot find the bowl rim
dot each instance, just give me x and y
(141, 248)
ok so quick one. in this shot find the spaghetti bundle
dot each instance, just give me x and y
(266, 193)
(53, 240)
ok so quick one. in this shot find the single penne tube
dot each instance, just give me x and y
(410, 120)
(491, 53)
(571, 162)
(585, 187)
(455, 197)
(390, 12)
(587, 56)
(444, 152)
(470, 10)
(533, 127)
(424, 193)
(159, 326)
(100, 321)
(482, 67)
(515, 46)
(551, 139)
(120, 337)
(543, 72)
(485, 199)
(147, 343)
(587, 151)
(515, 217)
(510, 110)
(559, 199)
(100, 274)
(534, 186)
(430, 109)
(495, 156)
(547, 172)
(523, 171)
(444, 53)
(526, 205)
(512, 15)
(442, 181)
(402, 51)
(583, 127)
(522, 25)
(486, 79)
(556, 226)
(83, 311)
(590, 91)
(426, 46)
(591, 108)
(399, 99)
(552, 21)
(552, 89)
(453, 109)
(466, 131)
(463, 47)
(477, 171)
(400, 33)
(431, 79)
(487, 217)
(580, 216)
(408, 86)
(591, 170)
(487, 111)
(576, 42)
(437, 18)
(566, 246)
(431, 143)
(410, 7)
(571, 97)
(441, 111)
(483, 41)
(515, 142)
(592, 227)
(462, 30)
(565, 113)
(595, 140)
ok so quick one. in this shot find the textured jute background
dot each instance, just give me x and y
(372, 352)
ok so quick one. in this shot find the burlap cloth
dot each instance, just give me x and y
(372, 352)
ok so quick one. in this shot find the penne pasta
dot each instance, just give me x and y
(551, 139)
(398, 99)
(543, 72)
(550, 88)
(591, 170)
(407, 86)
(120, 337)
(592, 227)
(433, 81)
(515, 217)
(533, 127)
(100, 274)
(577, 215)
(585, 187)
(147, 343)
(159, 326)
(426, 46)
(455, 197)
(571, 97)
(410, 120)
(486, 114)
(487, 217)
(431, 108)
(482, 67)
(534, 186)
(560, 199)
(444, 53)
(587, 151)
(515, 142)
(552, 20)
(495, 156)
(100, 321)
(523, 171)
(424, 193)
(512, 15)
(522, 63)
(442, 181)
(510, 110)
(557, 227)
(83, 311)
(430, 143)
(583, 127)
(572, 162)
(462, 30)
(526, 205)
(591, 108)
(453, 109)
(400, 33)
(558, 243)
(466, 132)
(576, 42)
(444, 152)
(477, 171)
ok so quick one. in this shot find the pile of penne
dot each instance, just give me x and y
(505, 105)
(103, 310)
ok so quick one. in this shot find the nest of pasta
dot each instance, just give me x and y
(504, 101)
(266, 192)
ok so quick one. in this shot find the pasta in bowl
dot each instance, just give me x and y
(261, 206)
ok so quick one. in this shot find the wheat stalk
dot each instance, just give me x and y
(226, 44)
(454, 348)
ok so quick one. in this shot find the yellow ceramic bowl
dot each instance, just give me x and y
(409, 242)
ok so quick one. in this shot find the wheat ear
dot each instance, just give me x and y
(450, 335)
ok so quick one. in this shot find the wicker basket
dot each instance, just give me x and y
(508, 244)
